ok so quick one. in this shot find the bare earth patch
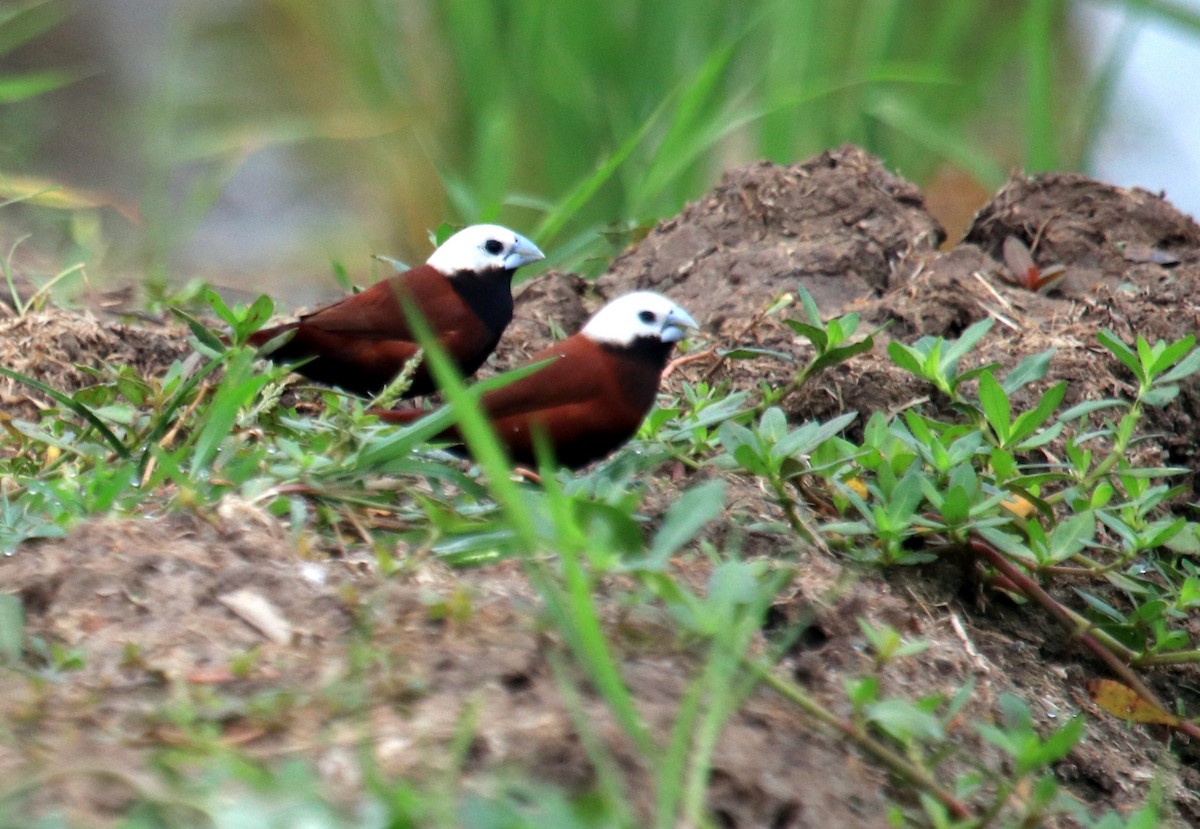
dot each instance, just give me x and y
(148, 603)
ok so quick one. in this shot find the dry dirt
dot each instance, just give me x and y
(150, 602)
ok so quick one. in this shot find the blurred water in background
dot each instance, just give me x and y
(1150, 139)
(278, 221)
(272, 213)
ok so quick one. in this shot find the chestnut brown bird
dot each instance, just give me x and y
(464, 292)
(595, 393)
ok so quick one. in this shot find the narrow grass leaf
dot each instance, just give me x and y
(1041, 144)
(570, 204)
(12, 627)
(75, 406)
(236, 390)
(941, 138)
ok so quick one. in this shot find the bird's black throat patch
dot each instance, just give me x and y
(644, 349)
(642, 363)
(488, 294)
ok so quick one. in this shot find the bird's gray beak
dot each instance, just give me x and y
(675, 323)
(524, 252)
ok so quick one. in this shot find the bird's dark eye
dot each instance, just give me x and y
(493, 246)
(646, 316)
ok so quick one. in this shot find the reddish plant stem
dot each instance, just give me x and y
(898, 765)
(1029, 588)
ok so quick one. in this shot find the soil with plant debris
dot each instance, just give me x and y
(225, 616)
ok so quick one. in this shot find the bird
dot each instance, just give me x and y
(593, 395)
(361, 342)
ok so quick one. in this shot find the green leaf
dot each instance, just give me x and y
(1186, 368)
(1040, 438)
(1059, 744)
(200, 331)
(1087, 407)
(994, 401)
(685, 518)
(811, 435)
(218, 306)
(1033, 367)
(1100, 606)
(906, 358)
(969, 339)
(258, 313)
(1028, 422)
(1170, 355)
(1071, 536)
(843, 353)
(1160, 396)
(237, 389)
(1160, 532)
(1186, 542)
(733, 583)
(18, 87)
(1122, 352)
(862, 692)
(751, 353)
(905, 498)
(1007, 543)
(904, 721)
(751, 461)
(812, 333)
(810, 306)
(773, 424)
(733, 435)
(956, 506)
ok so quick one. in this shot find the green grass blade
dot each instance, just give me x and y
(945, 140)
(75, 406)
(1041, 144)
(570, 204)
(236, 390)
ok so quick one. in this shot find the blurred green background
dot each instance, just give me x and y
(260, 144)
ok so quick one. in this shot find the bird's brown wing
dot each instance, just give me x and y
(574, 377)
(580, 401)
(376, 313)
(569, 380)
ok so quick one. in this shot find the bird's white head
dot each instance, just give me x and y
(484, 247)
(642, 314)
